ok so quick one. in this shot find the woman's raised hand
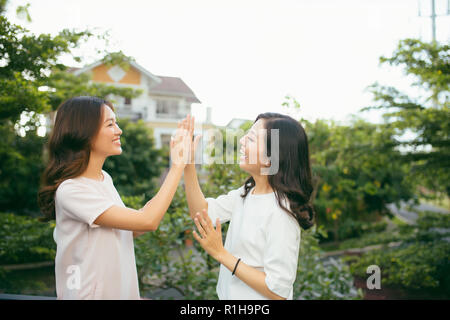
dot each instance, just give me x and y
(181, 143)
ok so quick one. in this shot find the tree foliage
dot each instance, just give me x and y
(356, 173)
(34, 82)
(426, 116)
(420, 262)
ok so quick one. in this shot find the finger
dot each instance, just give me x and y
(196, 141)
(194, 146)
(196, 236)
(178, 135)
(205, 215)
(218, 227)
(186, 122)
(207, 221)
(204, 223)
(184, 130)
(181, 125)
(200, 228)
(181, 133)
(192, 126)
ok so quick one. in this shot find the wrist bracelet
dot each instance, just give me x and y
(235, 266)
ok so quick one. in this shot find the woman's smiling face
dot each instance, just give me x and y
(253, 154)
(107, 141)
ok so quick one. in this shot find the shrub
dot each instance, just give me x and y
(421, 262)
(318, 279)
(163, 260)
(371, 239)
(24, 239)
(351, 229)
(413, 266)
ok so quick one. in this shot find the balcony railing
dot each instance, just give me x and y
(175, 116)
(126, 114)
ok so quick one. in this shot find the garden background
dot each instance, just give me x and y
(361, 170)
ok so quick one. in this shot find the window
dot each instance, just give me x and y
(167, 108)
(165, 140)
(127, 101)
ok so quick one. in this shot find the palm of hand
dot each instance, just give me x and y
(181, 145)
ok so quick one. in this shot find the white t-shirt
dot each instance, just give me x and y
(92, 262)
(264, 236)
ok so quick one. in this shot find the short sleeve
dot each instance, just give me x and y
(281, 253)
(81, 202)
(223, 206)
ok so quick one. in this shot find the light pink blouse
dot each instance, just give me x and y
(92, 262)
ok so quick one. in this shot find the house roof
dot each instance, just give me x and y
(173, 86)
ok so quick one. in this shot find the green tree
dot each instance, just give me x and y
(32, 83)
(21, 166)
(426, 116)
(356, 173)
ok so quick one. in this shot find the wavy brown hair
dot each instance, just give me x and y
(77, 122)
(293, 181)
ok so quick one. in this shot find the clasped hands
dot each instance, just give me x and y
(182, 152)
(182, 148)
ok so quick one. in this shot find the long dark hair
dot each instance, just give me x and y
(77, 123)
(293, 181)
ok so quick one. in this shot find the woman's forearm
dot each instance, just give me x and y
(158, 205)
(194, 195)
(254, 278)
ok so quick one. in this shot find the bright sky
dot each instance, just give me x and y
(241, 58)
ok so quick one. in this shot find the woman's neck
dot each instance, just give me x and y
(262, 185)
(94, 168)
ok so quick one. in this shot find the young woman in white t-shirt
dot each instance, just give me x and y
(260, 256)
(94, 230)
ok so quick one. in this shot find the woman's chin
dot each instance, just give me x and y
(246, 167)
(117, 151)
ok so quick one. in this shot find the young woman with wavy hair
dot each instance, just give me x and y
(260, 256)
(94, 230)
